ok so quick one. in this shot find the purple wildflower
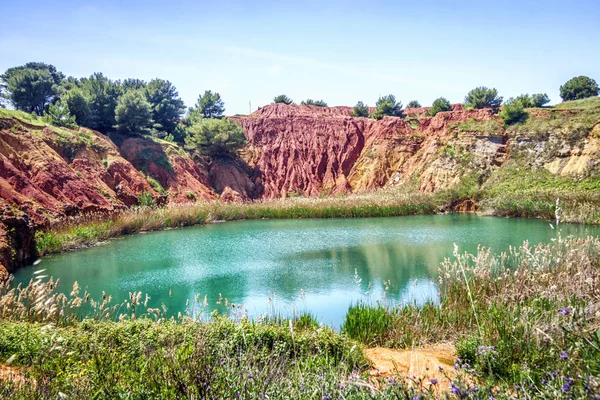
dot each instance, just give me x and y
(567, 386)
(565, 311)
(564, 355)
(434, 381)
(250, 375)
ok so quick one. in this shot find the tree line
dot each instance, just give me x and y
(130, 106)
(513, 109)
(133, 106)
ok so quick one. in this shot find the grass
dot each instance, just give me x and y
(525, 324)
(532, 325)
(29, 118)
(93, 228)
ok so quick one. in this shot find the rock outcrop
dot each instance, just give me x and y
(316, 151)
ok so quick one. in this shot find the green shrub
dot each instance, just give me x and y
(360, 110)
(282, 98)
(311, 102)
(133, 112)
(413, 104)
(216, 138)
(578, 88)
(482, 97)
(387, 105)
(439, 105)
(58, 115)
(368, 324)
(513, 111)
(146, 200)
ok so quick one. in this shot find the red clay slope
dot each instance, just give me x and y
(312, 150)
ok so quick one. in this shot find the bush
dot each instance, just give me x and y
(579, 87)
(360, 110)
(133, 112)
(58, 115)
(513, 111)
(539, 100)
(216, 138)
(145, 199)
(413, 104)
(387, 105)
(439, 105)
(534, 100)
(482, 97)
(311, 102)
(282, 98)
(368, 324)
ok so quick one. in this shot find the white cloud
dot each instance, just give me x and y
(275, 68)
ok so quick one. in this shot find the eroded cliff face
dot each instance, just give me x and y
(317, 151)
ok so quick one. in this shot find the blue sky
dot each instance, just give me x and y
(341, 51)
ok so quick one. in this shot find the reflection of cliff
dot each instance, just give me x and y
(397, 263)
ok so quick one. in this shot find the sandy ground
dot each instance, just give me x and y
(12, 374)
(419, 363)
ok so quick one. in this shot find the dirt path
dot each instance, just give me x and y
(421, 363)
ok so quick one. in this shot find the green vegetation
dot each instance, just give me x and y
(166, 105)
(133, 113)
(209, 105)
(368, 324)
(521, 321)
(31, 87)
(216, 138)
(282, 98)
(91, 229)
(413, 104)
(387, 105)
(361, 110)
(482, 97)
(579, 88)
(58, 115)
(513, 111)
(311, 102)
(534, 100)
(439, 105)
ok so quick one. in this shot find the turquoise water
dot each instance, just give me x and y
(305, 265)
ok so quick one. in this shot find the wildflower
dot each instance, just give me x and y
(434, 381)
(325, 397)
(567, 386)
(565, 311)
(564, 355)
(250, 375)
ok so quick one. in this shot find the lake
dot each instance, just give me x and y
(282, 266)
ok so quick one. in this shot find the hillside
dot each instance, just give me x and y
(49, 174)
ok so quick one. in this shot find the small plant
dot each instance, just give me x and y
(311, 102)
(191, 195)
(388, 106)
(413, 104)
(368, 324)
(145, 199)
(513, 111)
(439, 105)
(360, 110)
(282, 98)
